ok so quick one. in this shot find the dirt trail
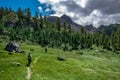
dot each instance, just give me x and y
(36, 59)
(28, 73)
(29, 69)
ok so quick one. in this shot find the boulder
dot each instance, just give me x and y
(61, 58)
(16, 63)
(12, 47)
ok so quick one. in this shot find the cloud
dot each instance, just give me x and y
(82, 3)
(40, 8)
(46, 9)
(97, 18)
(105, 6)
(85, 12)
(50, 1)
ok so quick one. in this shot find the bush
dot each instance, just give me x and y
(81, 53)
(66, 47)
(117, 52)
(69, 48)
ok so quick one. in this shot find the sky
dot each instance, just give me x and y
(34, 5)
(83, 12)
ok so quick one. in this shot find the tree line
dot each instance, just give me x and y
(20, 25)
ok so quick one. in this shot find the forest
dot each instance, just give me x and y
(21, 25)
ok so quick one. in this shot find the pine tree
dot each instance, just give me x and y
(1, 29)
(106, 42)
(45, 20)
(37, 23)
(82, 30)
(2, 12)
(112, 41)
(28, 16)
(69, 28)
(58, 24)
(20, 22)
(41, 22)
(65, 26)
(96, 39)
(36, 15)
(118, 38)
(20, 13)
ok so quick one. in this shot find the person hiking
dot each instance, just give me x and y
(29, 59)
(46, 49)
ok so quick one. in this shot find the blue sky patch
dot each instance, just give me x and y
(32, 4)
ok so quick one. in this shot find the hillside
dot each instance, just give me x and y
(56, 32)
(92, 65)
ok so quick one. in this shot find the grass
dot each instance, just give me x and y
(92, 65)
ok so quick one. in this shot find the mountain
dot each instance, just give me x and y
(90, 28)
(66, 19)
(109, 29)
(52, 18)
(63, 18)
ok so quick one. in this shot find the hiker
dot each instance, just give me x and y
(46, 50)
(29, 59)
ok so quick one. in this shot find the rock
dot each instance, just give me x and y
(81, 53)
(10, 53)
(61, 58)
(16, 63)
(22, 52)
(12, 47)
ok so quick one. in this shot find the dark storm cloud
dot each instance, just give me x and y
(72, 6)
(105, 6)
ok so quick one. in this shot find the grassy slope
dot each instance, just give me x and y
(90, 66)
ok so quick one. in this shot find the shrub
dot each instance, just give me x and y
(81, 53)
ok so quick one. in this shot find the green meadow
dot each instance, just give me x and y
(95, 64)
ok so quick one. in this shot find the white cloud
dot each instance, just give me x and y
(47, 10)
(60, 10)
(40, 8)
(96, 13)
(50, 1)
(85, 12)
(82, 3)
(71, 14)
(96, 18)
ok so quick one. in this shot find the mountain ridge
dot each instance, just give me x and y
(90, 28)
